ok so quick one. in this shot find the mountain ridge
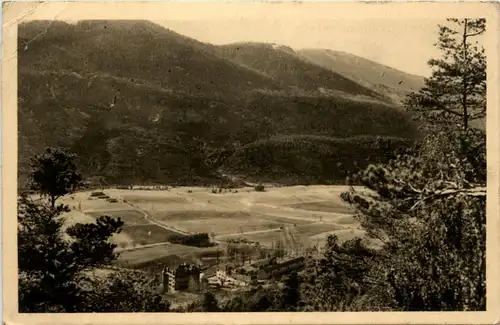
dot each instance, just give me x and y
(394, 83)
(140, 103)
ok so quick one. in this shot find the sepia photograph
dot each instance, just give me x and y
(247, 165)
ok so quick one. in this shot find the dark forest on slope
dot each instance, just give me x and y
(139, 103)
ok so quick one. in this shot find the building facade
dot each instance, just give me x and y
(185, 277)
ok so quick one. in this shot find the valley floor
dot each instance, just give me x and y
(298, 215)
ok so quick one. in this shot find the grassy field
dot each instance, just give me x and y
(316, 228)
(129, 217)
(148, 234)
(148, 199)
(75, 216)
(255, 216)
(101, 204)
(219, 223)
(324, 206)
(163, 254)
(284, 220)
(137, 228)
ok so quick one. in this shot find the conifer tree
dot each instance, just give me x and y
(425, 211)
(455, 94)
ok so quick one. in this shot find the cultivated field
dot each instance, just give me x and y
(303, 215)
(144, 257)
(218, 223)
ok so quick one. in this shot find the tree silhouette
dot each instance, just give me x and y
(456, 92)
(54, 174)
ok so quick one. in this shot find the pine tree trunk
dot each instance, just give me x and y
(464, 78)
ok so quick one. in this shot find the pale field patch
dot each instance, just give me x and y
(314, 229)
(162, 253)
(219, 223)
(74, 216)
(314, 212)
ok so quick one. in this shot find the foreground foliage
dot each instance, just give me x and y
(426, 216)
(57, 263)
(425, 211)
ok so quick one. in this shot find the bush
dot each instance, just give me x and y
(260, 188)
(197, 240)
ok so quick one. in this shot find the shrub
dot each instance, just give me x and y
(260, 188)
(197, 240)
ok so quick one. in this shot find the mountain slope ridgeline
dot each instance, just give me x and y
(139, 103)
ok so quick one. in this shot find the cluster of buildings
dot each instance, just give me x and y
(184, 277)
(188, 277)
(191, 276)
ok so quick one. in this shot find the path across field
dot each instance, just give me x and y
(294, 213)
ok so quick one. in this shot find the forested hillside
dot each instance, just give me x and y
(309, 159)
(140, 103)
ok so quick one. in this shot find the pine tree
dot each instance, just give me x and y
(456, 92)
(56, 264)
(54, 174)
(428, 213)
(425, 211)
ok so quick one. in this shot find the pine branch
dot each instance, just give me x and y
(475, 34)
(476, 191)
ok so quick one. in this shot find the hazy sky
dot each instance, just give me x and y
(404, 44)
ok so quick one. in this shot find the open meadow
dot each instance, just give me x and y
(297, 215)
